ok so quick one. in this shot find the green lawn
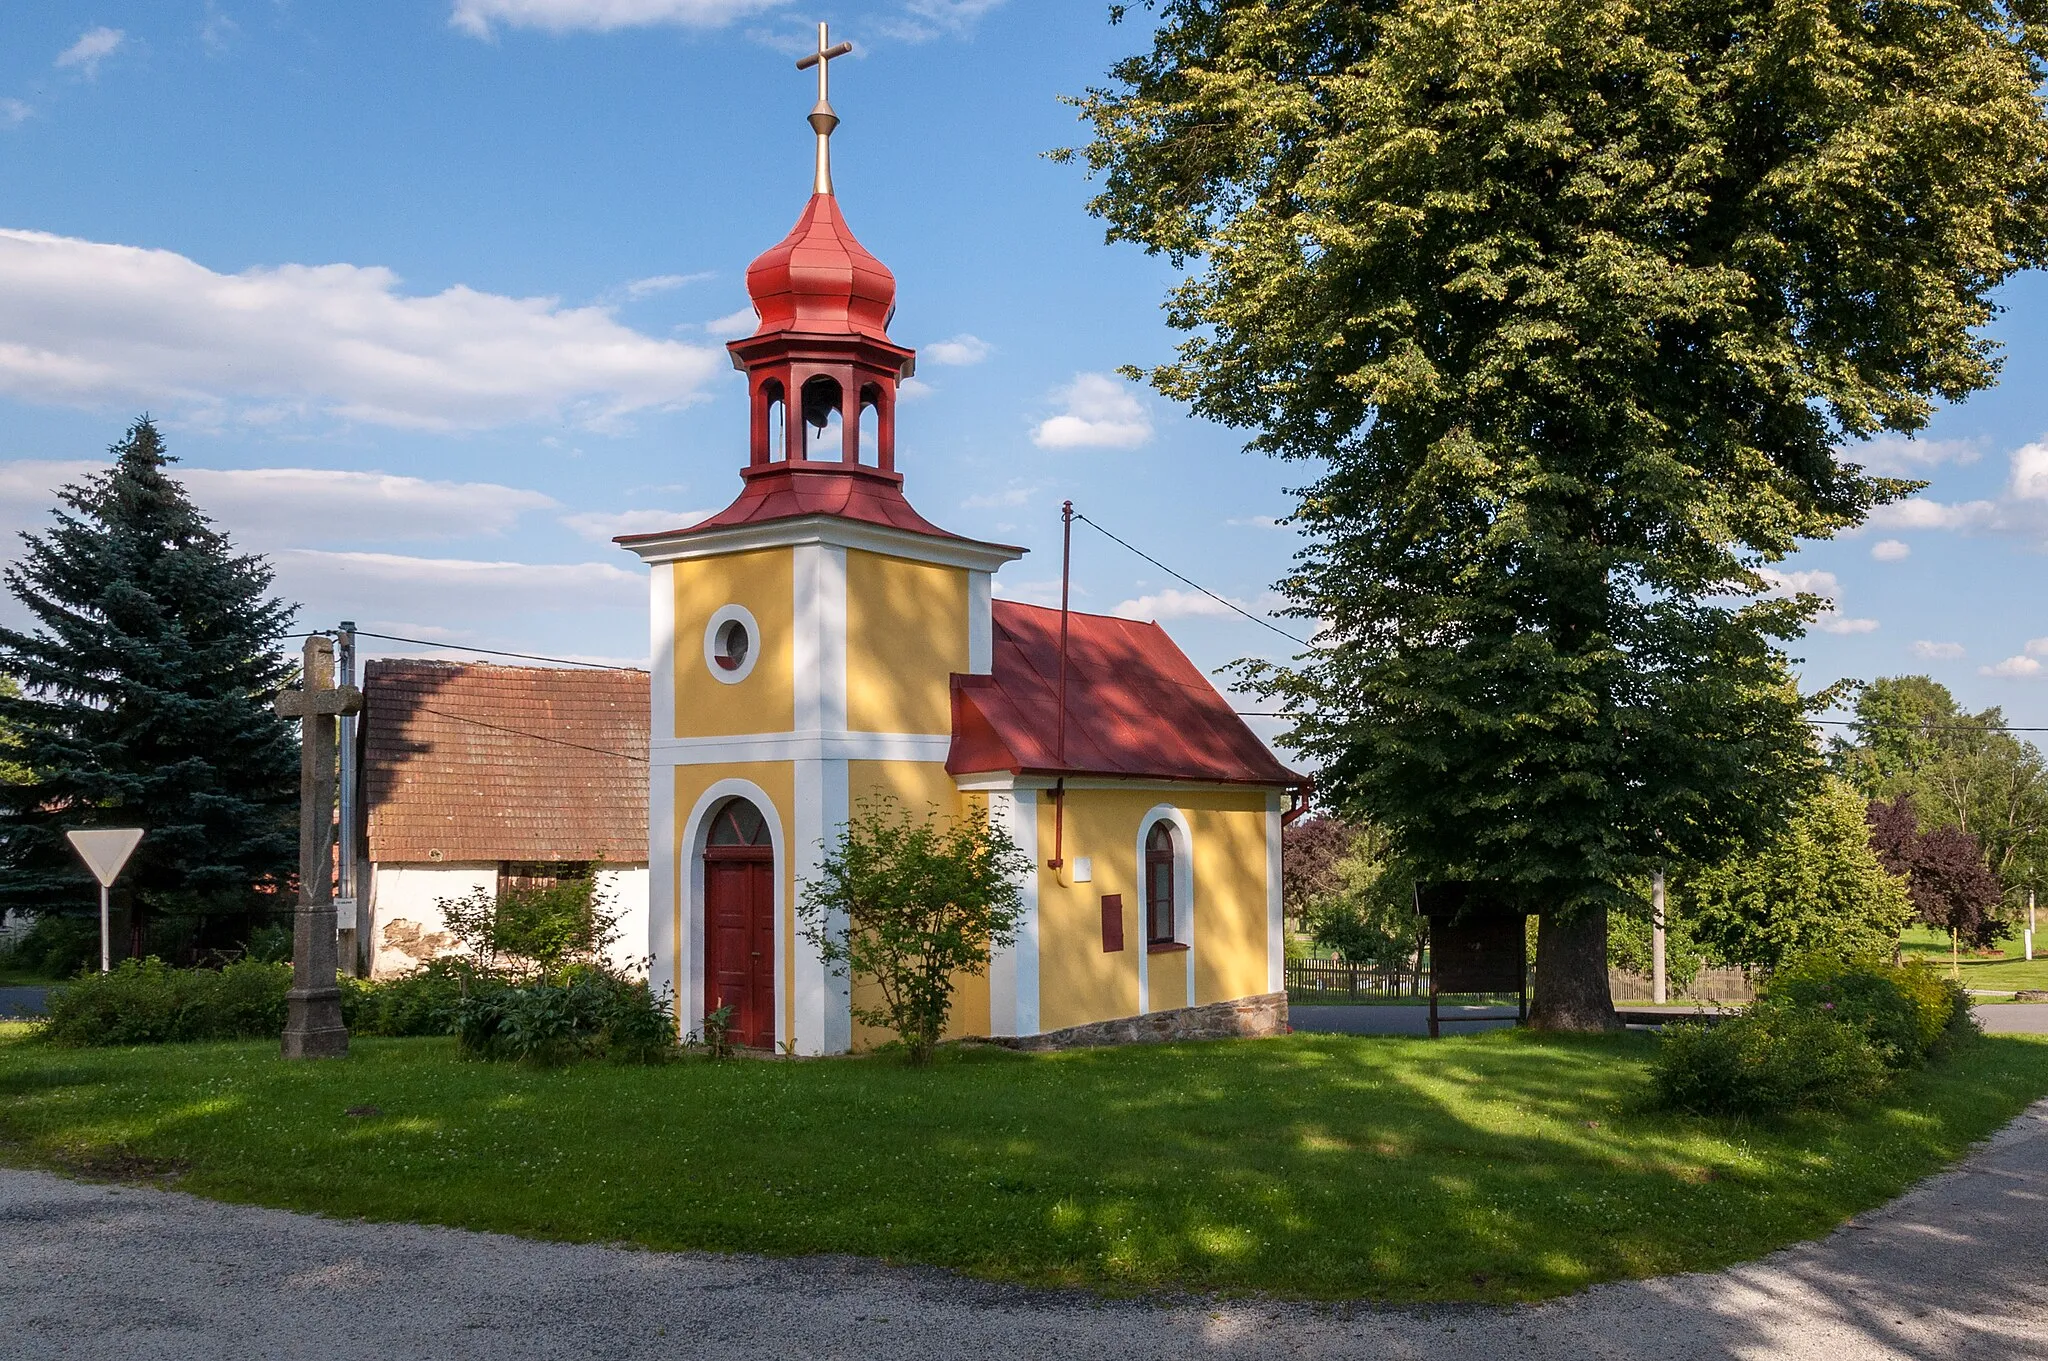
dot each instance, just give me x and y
(2010, 973)
(1500, 1165)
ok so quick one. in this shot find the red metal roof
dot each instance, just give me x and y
(488, 763)
(820, 280)
(1136, 707)
(783, 491)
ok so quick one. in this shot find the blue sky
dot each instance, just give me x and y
(430, 298)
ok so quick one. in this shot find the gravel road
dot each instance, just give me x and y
(1953, 1270)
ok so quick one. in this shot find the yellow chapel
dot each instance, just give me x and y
(819, 641)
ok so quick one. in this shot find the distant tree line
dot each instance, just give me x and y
(1929, 813)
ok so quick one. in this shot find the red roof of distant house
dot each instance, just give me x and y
(483, 763)
(1136, 707)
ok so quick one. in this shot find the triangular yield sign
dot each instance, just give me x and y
(105, 849)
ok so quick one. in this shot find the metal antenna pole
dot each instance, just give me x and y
(349, 900)
(1059, 793)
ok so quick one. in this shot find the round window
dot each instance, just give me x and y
(732, 644)
(731, 653)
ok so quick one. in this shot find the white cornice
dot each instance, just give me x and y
(836, 530)
(986, 781)
(813, 745)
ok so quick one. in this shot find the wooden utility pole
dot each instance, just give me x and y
(1658, 992)
(313, 1028)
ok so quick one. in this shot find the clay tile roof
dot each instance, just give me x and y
(1136, 707)
(504, 763)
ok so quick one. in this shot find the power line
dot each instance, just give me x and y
(492, 652)
(1830, 722)
(1227, 604)
(538, 737)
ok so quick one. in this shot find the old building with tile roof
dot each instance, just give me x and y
(475, 776)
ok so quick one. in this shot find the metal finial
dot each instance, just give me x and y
(822, 119)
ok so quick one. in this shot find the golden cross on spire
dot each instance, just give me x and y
(823, 120)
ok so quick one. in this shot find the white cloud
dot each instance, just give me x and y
(1016, 494)
(926, 19)
(2021, 509)
(602, 16)
(2036, 647)
(1823, 584)
(1891, 550)
(94, 46)
(271, 507)
(1258, 522)
(603, 527)
(655, 284)
(733, 325)
(914, 390)
(1174, 604)
(1944, 652)
(961, 350)
(92, 324)
(2012, 667)
(13, 113)
(1898, 456)
(363, 585)
(1037, 592)
(1102, 412)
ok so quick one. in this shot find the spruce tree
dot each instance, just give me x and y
(145, 701)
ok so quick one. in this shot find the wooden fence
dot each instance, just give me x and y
(1331, 979)
(1334, 980)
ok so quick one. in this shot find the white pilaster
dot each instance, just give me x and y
(662, 943)
(981, 623)
(1013, 973)
(1276, 947)
(820, 1013)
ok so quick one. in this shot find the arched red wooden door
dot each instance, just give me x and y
(739, 921)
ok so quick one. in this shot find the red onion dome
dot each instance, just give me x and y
(820, 280)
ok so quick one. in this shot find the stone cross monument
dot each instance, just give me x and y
(313, 1028)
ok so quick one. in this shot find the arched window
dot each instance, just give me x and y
(1160, 908)
(738, 823)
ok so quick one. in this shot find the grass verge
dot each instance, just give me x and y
(1500, 1165)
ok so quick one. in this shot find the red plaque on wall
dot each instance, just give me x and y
(1112, 923)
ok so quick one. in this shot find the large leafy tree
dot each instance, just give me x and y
(1816, 886)
(145, 694)
(1912, 741)
(1566, 308)
(1952, 889)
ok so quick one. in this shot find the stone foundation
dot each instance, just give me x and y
(1245, 1018)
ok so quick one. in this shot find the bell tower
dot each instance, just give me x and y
(803, 640)
(821, 354)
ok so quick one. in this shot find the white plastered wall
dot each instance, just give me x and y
(407, 928)
(406, 925)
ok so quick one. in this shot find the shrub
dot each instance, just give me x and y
(56, 945)
(1904, 1012)
(422, 1002)
(912, 904)
(535, 933)
(148, 1002)
(592, 1014)
(1771, 1059)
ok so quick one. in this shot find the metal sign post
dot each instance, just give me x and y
(105, 850)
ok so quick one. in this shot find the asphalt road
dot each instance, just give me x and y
(1952, 1270)
(2001, 1018)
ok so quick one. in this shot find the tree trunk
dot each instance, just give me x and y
(1571, 973)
